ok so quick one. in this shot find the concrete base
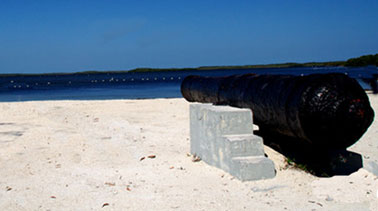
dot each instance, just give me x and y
(372, 167)
(222, 136)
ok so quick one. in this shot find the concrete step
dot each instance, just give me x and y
(252, 168)
(243, 145)
(222, 136)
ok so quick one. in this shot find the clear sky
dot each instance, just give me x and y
(39, 36)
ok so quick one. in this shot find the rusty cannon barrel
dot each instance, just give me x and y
(327, 110)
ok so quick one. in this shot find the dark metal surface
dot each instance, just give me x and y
(329, 110)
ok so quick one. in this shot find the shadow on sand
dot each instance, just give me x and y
(318, 161)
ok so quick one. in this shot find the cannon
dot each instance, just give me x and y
(322, 110)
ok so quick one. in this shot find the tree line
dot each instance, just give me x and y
(362, 61)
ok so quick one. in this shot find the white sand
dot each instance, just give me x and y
(82, 155)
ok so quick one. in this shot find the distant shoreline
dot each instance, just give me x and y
(362, 61)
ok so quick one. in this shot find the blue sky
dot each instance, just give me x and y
(38, 36)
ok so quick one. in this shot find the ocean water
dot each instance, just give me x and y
(148, 85)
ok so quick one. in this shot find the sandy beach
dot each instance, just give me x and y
(133, 155)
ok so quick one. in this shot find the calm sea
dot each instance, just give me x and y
(133, 85)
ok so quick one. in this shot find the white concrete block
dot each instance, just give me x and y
(222, 136)
(244, 145)
(252, 168)
(371, 166)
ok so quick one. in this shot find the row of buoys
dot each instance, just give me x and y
(134, 79)
(48, 83)
(20, 86)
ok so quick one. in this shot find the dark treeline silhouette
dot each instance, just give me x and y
(363, 61)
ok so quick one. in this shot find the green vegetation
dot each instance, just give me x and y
(363, 61)
(291, 162)
(261, 66)
(353, 62)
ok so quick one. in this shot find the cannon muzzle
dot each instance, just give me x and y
(328, 110)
